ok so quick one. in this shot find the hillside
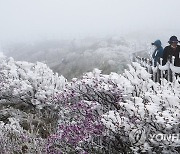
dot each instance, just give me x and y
(71, 58)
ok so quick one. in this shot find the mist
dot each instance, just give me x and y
(29, 20)
(76, 36)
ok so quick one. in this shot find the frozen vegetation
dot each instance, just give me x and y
(43, 112)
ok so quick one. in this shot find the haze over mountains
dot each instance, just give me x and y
(72, 58)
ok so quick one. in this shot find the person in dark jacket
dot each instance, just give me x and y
(172, 50)
(158, 52)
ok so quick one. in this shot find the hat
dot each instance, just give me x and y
(173, 39)
(157, 43)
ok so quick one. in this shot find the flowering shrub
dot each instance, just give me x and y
(76, 134)
(98, 113)
(133, 119)
(83, 103)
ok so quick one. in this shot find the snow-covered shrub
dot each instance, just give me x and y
(21, 131)
(34, 84)
(98, 113)
(82, 132)
(83, 102)
(27, 104)
(148, 119)
(13, 139)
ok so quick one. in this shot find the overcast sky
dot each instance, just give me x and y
(39, 19)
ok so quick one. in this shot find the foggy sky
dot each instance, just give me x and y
(39, 19)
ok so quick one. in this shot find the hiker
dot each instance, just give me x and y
(158, 52)
(172, 50)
